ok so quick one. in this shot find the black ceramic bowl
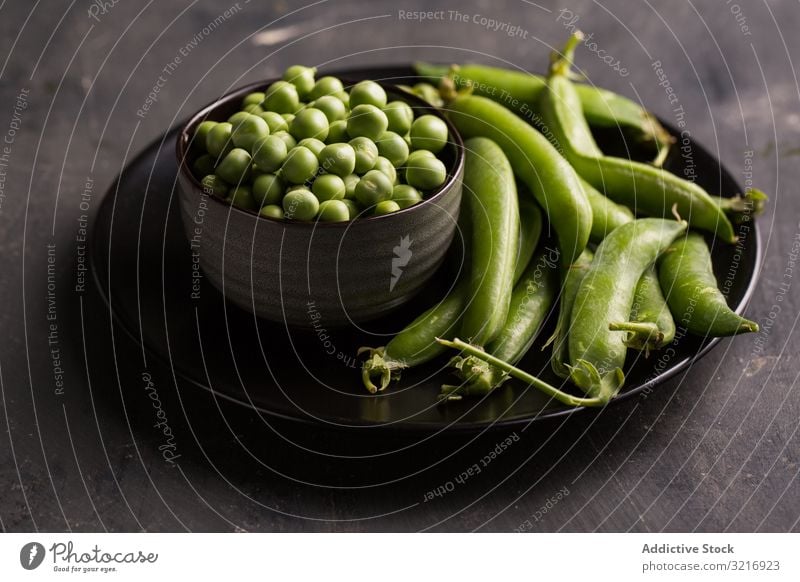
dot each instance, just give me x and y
(303, 272)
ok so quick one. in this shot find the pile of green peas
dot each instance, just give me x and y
(308, 149)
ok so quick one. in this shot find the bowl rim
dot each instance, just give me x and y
(184, 139)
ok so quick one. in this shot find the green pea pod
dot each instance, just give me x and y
(416, 344)
(569, 289)
(596, 353)
(642, 187)
(490, 199)
(530, 229)
(606, 214)
(687, 279)
(651, 325)
(531, 301)
(520, 91)
(536, 162)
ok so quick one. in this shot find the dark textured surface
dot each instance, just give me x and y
(715, 449)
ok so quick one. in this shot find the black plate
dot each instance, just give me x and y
(143, 267)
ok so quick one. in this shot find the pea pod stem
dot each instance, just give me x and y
(606, 295)
(530, 229)
(415, 344)
(552, 391)
(606, 214)
(646, 327)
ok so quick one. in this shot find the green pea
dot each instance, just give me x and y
(429, 93)
(201, 133)
(385, 166)
(337, 132)
(288, 118)
(333, 211)
(416, 154)
(269, 153)
(366, 121)
(255, 98)
(386, 207)
(215, 185)
(313, 144)
(328, 187)
(428, 133)
(309, 122)
(326, 86)
(366, 154)
(367, 93)
(350, 182)
(281, 97)
(218, 140)
(241, 197)
(272, 211)
(301, 77)
(353, 209)
(275, 121)
(300, 205)
(235, 166)
(331, 106)
(393, 147)
(426, 173)
(287, 138)
(238, 117)
(253, 109)
(268, 189)
(344, 97)
(248, 131)
(299, 166)
(338, 158)
(372, 188)
(406, 195)
(400, 116)
(203, 165)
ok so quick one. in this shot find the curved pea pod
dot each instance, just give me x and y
(641, 187)
(490, 198)
(536, 162)
(531, 301)
(416, 344)
(687, 279)
(569, 289)
(651, 325)
(530, 229)
(655, 192)
(606, 214)
(596, 353)
(602, 108)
